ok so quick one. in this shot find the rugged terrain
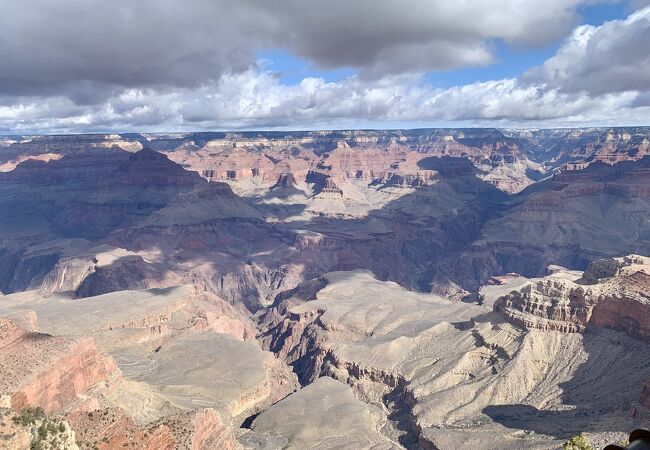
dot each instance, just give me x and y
(348, 289)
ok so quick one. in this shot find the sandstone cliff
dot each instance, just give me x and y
(611, 293)
(48, 371)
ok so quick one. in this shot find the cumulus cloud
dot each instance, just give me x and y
(84, 48)
(613, 57)
(394, 36)
(597, 77)
(51, 47)
(257, 100)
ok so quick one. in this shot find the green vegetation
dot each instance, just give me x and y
(578, 442)
(29, 416)
(42, 432)
(49, 432)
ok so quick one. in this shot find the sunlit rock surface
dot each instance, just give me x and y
(436, 288)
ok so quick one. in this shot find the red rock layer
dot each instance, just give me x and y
(111, 428)
(48, 371)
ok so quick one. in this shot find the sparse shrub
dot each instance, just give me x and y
(42, 431)
(29, 416)
(578, 442)
(51, 427)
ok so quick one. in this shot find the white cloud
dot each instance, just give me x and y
(258, 100)
(89, 49)
(599, 76)
(614, 57)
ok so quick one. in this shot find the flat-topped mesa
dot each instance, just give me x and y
(613, 293)
(411, 179)
(150, 168)
(285, 180)
(330, 187)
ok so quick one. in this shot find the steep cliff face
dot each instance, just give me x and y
(611, 293)
(624, 304)
(572, 219)
(371, 157)
(548, 304)
(48, 371)
(451, 374)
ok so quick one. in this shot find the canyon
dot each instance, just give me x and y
(377, 289)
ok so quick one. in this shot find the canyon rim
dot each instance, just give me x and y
(324, 225)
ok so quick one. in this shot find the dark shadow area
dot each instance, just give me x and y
(249, 421)
(599, 396)
(422, 239)
(401, 417)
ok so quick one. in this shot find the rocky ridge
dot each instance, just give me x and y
(233, 260)
(610, 293)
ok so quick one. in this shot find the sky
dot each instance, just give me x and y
(77, 66)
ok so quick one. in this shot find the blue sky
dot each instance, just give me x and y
(509, 62)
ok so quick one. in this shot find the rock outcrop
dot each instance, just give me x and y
(31, 428)
(196, 430)
(612, 293)
(48, 371)
(451, 373)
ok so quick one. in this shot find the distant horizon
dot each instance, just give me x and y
(333, 130)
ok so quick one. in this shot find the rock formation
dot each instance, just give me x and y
(230, 290)
(453, 374)
(570, 220)
(339, 420)
(611, 293)
(48, 371)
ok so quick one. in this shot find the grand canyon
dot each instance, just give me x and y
(420, 289)
(324, 225)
